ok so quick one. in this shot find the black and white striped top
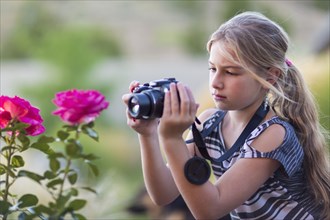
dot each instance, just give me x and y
(284, 195)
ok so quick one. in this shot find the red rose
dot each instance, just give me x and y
(21, 110)
(79, 106)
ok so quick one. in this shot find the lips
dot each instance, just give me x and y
(218, 97)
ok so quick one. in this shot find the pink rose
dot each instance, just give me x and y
(21, 110)
(79, 106)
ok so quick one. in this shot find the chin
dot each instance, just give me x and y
(222, 106)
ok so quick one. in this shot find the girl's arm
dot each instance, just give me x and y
(211, 201)
(157, 177)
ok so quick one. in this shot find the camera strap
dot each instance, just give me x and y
(198, 137)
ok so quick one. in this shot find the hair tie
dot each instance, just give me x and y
(288, 62)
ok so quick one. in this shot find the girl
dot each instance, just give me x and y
(280, 171)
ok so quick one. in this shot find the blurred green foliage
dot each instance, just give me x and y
(319, 82)
(321, 4)
(236, 7)
(40, 34)
(194, 37)
(72, 51)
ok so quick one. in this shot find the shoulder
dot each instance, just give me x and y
(270, 138)
(206, 114)
(275, 139)
(273, 133)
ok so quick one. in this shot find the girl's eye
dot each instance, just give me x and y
(231, 73)
(212, 69)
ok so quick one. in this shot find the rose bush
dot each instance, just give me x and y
(78, 109)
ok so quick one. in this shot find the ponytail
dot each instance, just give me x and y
(297, 105)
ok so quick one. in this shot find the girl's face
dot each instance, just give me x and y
(231, 86)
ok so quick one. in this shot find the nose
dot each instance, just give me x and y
(216, 81)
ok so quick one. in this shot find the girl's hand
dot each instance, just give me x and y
(141, 126)
(179, 111)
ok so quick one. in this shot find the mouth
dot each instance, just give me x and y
(218, 97)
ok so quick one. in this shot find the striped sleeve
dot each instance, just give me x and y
(289, 153)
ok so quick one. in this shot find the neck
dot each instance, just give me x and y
(240, 118)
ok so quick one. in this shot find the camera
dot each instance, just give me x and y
(147, 100)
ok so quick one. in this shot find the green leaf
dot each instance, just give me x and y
(70, 127)
(27, 200)
(89, 189)
(4, 207)
(54, 182)
(49, 175)
(62, 135)
(90, 124)
(25, 141)
(74, 192)
(93, 168)
(90, 157)
(42, 209)
(46, 139)
(79, 216)
(43, 147)
(73, 148)
(54, 164)
(17, 161)
(77, 204)
(90, 132)
(56, 155)
(2, 170)
(19, 126)
(34, 176)
(7, 170)
(62, 200)
(73, 177)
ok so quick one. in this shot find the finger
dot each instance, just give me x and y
(133, 85)
(175, 105)
(129, 118)
(184, 99)
(125, 98)
(167, 104)
(194, 106)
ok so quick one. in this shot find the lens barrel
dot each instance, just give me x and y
(147, 100)
(139, 105)
(147, 104)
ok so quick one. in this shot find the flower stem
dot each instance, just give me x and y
(66, 172)
(7, 184)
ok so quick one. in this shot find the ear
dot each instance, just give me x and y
(273, 75)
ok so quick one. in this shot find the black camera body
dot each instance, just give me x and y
(147, 100)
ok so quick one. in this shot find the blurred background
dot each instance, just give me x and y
(51, 46)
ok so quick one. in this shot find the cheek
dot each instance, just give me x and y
(252, 90)
(246, 87)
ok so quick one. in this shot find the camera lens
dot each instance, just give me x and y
(139, 105)
(135, 107)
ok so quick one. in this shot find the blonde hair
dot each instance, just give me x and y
(259, 44)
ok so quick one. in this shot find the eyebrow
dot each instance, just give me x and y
(229, 66)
